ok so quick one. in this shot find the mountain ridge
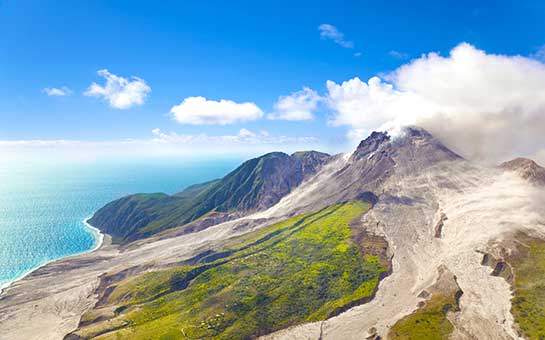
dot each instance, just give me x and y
(255, 185)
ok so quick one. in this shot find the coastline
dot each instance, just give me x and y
(99, 236)
(99, 241)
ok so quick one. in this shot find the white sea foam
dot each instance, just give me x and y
(99, 237)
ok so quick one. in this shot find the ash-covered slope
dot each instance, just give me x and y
(365, 171)
(255, 185)
(527, 169)
(439, 213)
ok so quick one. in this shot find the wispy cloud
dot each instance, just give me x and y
(244, 136)
(330, 32)
(298, 106)
(398, 55)
(202, 111)
(358, 54)
(62, 91)
(120, 93)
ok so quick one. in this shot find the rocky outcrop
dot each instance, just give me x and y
(439, 225)
(527, 169)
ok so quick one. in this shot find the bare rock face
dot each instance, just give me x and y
(415, 149)
(376, 159)
(274, 176)
(370, 145)
(527, 169)
(311, 161)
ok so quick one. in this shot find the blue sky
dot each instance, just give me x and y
(240, 51)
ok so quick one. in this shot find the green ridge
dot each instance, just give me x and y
(256, 184)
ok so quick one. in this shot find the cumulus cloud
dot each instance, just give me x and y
(245, 133)
(330, 32)
(485, 106)
(62, 91)
(120, 93)
(201, 111)
(298, 106)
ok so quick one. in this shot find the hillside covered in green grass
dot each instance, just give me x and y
(528, 268)
(257, 184)
(307, 268)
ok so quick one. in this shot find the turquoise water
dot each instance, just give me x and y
(43, 205)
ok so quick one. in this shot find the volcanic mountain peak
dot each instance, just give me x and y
(370, 145)
(527, 169)
(379, 162)
(413, 144)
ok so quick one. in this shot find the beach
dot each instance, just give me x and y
(99, 239)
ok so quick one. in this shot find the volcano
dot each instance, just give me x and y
(400, 239)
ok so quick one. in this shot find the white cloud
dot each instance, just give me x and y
(57, 91)
(120, 93)
(298, 106)
(200, 111)
(485, 106)
(245, 133)
(358, 54)
(330, 32)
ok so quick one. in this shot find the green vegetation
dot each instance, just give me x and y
(528, 304)
(306, 268)
(257, 183)
(427, 323)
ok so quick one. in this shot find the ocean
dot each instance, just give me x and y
(43, 205)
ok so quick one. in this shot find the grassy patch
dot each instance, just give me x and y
(528, 304)
(427, 323)
(306, 268)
